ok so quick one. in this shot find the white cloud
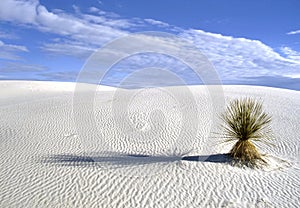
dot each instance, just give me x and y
(90, 31)
(5, 35)
(76, 9)
(87, 31)
(94, 10)
(98, 11)
(83, 28)
(10, 51)
(241, 57)
(293, 76)
(12, 67)
(20, 11)
(81, 34)
(69, 48)
(60, 75)
(293, 32)
(13, 47)
(291, 54)
(157, 23)
(105, 21)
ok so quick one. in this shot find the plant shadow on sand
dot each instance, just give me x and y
(119, 159)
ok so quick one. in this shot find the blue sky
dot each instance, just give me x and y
(248, 42)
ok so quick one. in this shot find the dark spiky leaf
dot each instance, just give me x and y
(245, 120)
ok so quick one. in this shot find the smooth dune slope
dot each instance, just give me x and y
(129, 154)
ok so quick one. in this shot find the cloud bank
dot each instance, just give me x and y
(81, 33)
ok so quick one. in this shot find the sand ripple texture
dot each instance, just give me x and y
(134, 156)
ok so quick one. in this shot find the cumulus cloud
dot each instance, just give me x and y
(77, 28)
(86, 28)
(19, 11)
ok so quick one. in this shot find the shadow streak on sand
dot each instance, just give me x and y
(117, 159)
(217, 158)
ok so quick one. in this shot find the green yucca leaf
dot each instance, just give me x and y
(245, 119)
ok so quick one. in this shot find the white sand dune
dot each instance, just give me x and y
(132, 156)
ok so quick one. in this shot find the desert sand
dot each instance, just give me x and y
(131, 155)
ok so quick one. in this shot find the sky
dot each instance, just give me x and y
(248, 42)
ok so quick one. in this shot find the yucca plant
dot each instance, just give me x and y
(245, 121)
